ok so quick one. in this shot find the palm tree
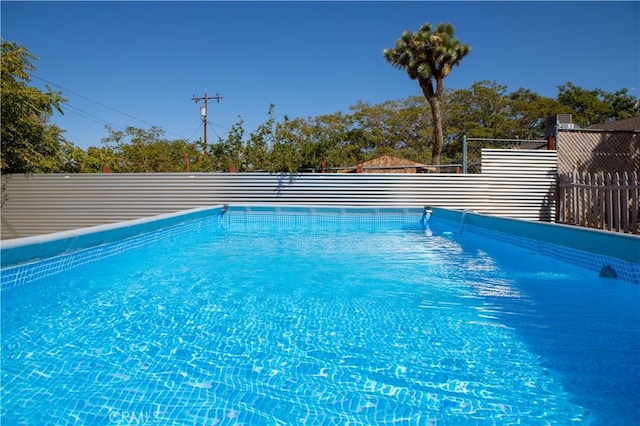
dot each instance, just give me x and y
(429, 56)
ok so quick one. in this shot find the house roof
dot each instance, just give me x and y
(389, 161)
(388, 164)
(632, 123)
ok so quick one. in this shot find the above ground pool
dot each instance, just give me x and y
(295, 315)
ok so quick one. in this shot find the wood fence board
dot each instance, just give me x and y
(598, 200)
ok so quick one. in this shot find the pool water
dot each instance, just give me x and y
(269, 324)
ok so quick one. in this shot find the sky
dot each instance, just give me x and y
(140, 63)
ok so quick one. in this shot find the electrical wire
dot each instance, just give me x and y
(194, 132)
(89, 116)
(226, 129)
(214, 131)
(101, 104)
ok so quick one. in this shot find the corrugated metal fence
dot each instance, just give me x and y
(514, 183)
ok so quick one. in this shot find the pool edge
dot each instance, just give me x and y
(17, 251)
(592, 249)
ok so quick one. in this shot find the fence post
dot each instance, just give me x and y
(616, 201)
(602, 193)
(635, 202)
(582, 194)
(560, 197)
(588, 205)
(574, 197)
(609, 201)
(464, 154)
(594, 200)
(625, 202)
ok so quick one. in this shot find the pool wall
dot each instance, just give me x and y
(26, 259)
(589, 248)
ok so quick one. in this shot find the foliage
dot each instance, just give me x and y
(481, 111)
(256, 152)
(596, 106)
(227, 153)
(429, 57)
(29, 143)
(528, 113)
(137, 150)
(402, 128)
(424, 128)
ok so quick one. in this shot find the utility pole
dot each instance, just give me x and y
(203, 113)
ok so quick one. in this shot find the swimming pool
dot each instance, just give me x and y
(255, 315)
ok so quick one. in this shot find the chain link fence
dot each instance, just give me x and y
(460, 156)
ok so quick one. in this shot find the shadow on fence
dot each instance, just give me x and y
(598, 200)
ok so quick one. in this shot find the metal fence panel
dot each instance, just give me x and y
(520, 180)
(473, 148)
(44, 203)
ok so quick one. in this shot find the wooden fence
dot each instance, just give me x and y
(599, 200)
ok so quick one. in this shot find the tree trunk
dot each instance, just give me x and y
(438, 133)
(433, 97)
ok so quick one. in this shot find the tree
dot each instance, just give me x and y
(428, 57)
(393, 127)
(137, 150)
(596, 106)
(256, 152)
(528, 113)
(286, 153)
(29, 143)
(134, 148)
(482, 111)
(96, 159)
(228, 153)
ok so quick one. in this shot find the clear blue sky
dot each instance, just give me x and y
(147, 59)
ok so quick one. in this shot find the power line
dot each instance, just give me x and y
(91, 100)
(226, 129)
(194, 132)
(101, 104)
(214, 131)
(90, 116)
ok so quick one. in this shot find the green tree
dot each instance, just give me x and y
(597, 106)
(256, 151)
(229, 152)
(429, 57)
(623, 105)
(29, 143)
(72, 158)
(133, 147)
(286, 152)
(482, 111)
(96, 159)
(136, 150)
(324, 142)
(392, 127)
(528, 112)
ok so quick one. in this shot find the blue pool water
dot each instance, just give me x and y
(265, 321)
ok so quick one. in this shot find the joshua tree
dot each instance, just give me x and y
(429, 57)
